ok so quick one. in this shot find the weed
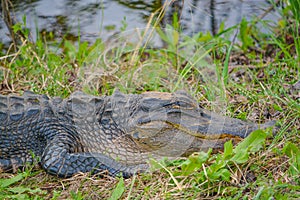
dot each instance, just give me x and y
(250, 77)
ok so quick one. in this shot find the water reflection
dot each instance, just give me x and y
(207, 15)
(103, 18)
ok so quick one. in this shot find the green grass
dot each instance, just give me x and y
(248, 80)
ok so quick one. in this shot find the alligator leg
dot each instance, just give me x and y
(58, 159)
(13, 164)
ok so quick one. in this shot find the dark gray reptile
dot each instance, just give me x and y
(117, 133)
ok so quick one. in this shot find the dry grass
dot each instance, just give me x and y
(261, 87)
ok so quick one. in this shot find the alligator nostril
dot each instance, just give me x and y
(135, 135)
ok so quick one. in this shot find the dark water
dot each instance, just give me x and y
(103, 18)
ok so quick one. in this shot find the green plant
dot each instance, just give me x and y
(118, 191)
(8, 190)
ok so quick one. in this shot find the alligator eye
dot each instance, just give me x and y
(105, 121)
(175, 106)
(143, 120)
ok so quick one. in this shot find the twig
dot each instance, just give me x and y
(9, 21)
(265, 13)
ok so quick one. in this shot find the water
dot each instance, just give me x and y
(104, 18)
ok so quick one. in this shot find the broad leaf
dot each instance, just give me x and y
(7, 182)
(194, 162)
(241, 156)
(252, 143)
(118, 191)
(293, 152)
(228, 150)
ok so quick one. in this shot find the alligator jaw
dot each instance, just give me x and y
(200, 123)
(209, 125)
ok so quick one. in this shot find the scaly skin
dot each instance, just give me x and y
(117, 133)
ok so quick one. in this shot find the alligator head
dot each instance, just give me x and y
(173, 124)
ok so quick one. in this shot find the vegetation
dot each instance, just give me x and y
(254, 76)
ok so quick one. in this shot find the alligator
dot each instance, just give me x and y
(115, 134)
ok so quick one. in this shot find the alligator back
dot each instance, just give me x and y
(70, 136)
(21, 128)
